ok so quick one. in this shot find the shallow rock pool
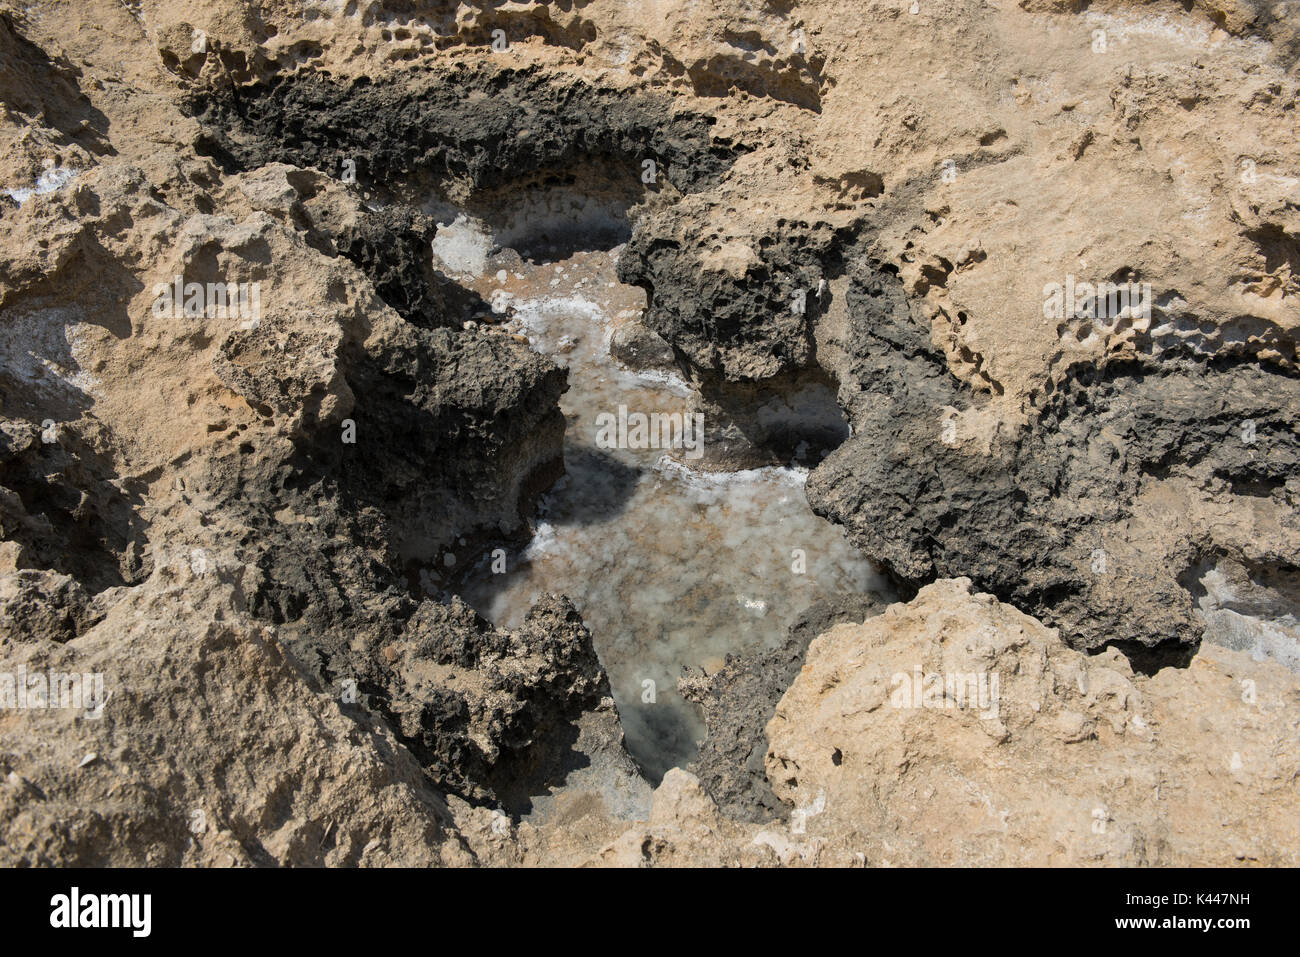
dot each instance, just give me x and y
(670, 565)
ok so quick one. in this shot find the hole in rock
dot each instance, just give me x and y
(1251, 608)
(552, 215)
(671, 565)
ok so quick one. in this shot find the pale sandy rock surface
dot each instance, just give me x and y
(1076, 760)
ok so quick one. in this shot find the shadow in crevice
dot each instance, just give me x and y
(71, 512)
(520, 777)
(584, 206)
(39, 85)
(792, 419)
(1149, 660)
(595, 489)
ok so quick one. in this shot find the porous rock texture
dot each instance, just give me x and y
(1077, 758)
(252, 525)
(740, 698)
